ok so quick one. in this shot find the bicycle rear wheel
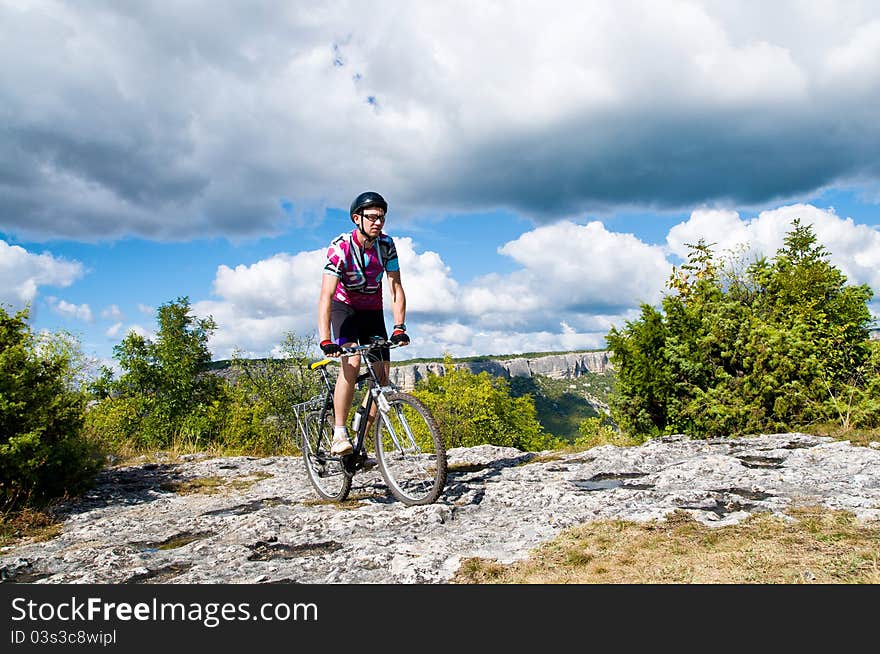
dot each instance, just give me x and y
(326, 473)
(410, 450)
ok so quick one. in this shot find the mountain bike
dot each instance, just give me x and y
(409, 449)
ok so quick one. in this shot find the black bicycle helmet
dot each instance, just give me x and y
(368, 199)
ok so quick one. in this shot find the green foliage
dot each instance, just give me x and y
(776, 345)
(644, 382)
(479, 409)
(562, 404)
(42, 450)
(162, 392)
(856, 402)
(260, 403)
(596, 430)
(170, 394)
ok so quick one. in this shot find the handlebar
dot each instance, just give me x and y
(356, 350)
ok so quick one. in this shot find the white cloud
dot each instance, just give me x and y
(574, 282)
(22, 273)
(579, 263)
(854, 249)
(114, 330)
(571, 272)
(252, 335)
(426, 280)
(69, 310)
(259, 303)
(146, 309)
(856, 60)
(273, 286)
(112, 312)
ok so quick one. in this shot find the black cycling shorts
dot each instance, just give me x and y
(352, 325)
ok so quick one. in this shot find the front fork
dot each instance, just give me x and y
(384, 410)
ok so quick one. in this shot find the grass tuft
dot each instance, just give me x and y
(27, 524)
(214, 484)
(815, 546)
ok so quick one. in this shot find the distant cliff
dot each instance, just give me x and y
(555, 366)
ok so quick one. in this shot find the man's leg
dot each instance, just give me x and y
(343, 394)
(345, 386)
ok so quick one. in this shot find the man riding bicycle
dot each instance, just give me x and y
(351, 302)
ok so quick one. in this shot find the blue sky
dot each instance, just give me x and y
(542, 178)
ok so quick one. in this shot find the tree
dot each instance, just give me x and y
(643, 375)
(769, 348)
(811, 331)
(162, 389)
(704, 320)
(42, 450)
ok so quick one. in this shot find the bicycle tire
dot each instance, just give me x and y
(414, 475)
(326, 473)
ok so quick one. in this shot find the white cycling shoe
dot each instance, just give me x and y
(341, 445)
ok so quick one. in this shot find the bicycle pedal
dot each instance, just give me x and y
(369, 463)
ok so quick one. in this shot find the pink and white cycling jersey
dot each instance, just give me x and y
(360, 271)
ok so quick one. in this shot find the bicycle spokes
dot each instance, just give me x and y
(326, 472)
(410, 451)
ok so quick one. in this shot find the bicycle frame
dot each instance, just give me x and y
(372, 392)
(354, 460)
(410, 452)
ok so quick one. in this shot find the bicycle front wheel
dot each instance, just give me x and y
(410, 450)
(326, 473)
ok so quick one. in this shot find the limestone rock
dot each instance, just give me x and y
(262, 523)
(557, 366)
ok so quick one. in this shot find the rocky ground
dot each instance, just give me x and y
(257, 520)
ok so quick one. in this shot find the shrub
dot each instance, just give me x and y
(479, 409)
(598, 431)
(259, 404)
(43, 453)
(780, 345)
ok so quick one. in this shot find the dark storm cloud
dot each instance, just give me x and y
(119, 119)
(662, 162)
(172, 120)
(135, 172)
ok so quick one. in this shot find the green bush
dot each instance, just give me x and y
(596, 430)
(43, 453)
(479, 409)
(117, 421)
(259, 404)
(169, 394)
(856, 403)
(780, 344)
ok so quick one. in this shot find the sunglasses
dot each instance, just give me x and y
(374, 217)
